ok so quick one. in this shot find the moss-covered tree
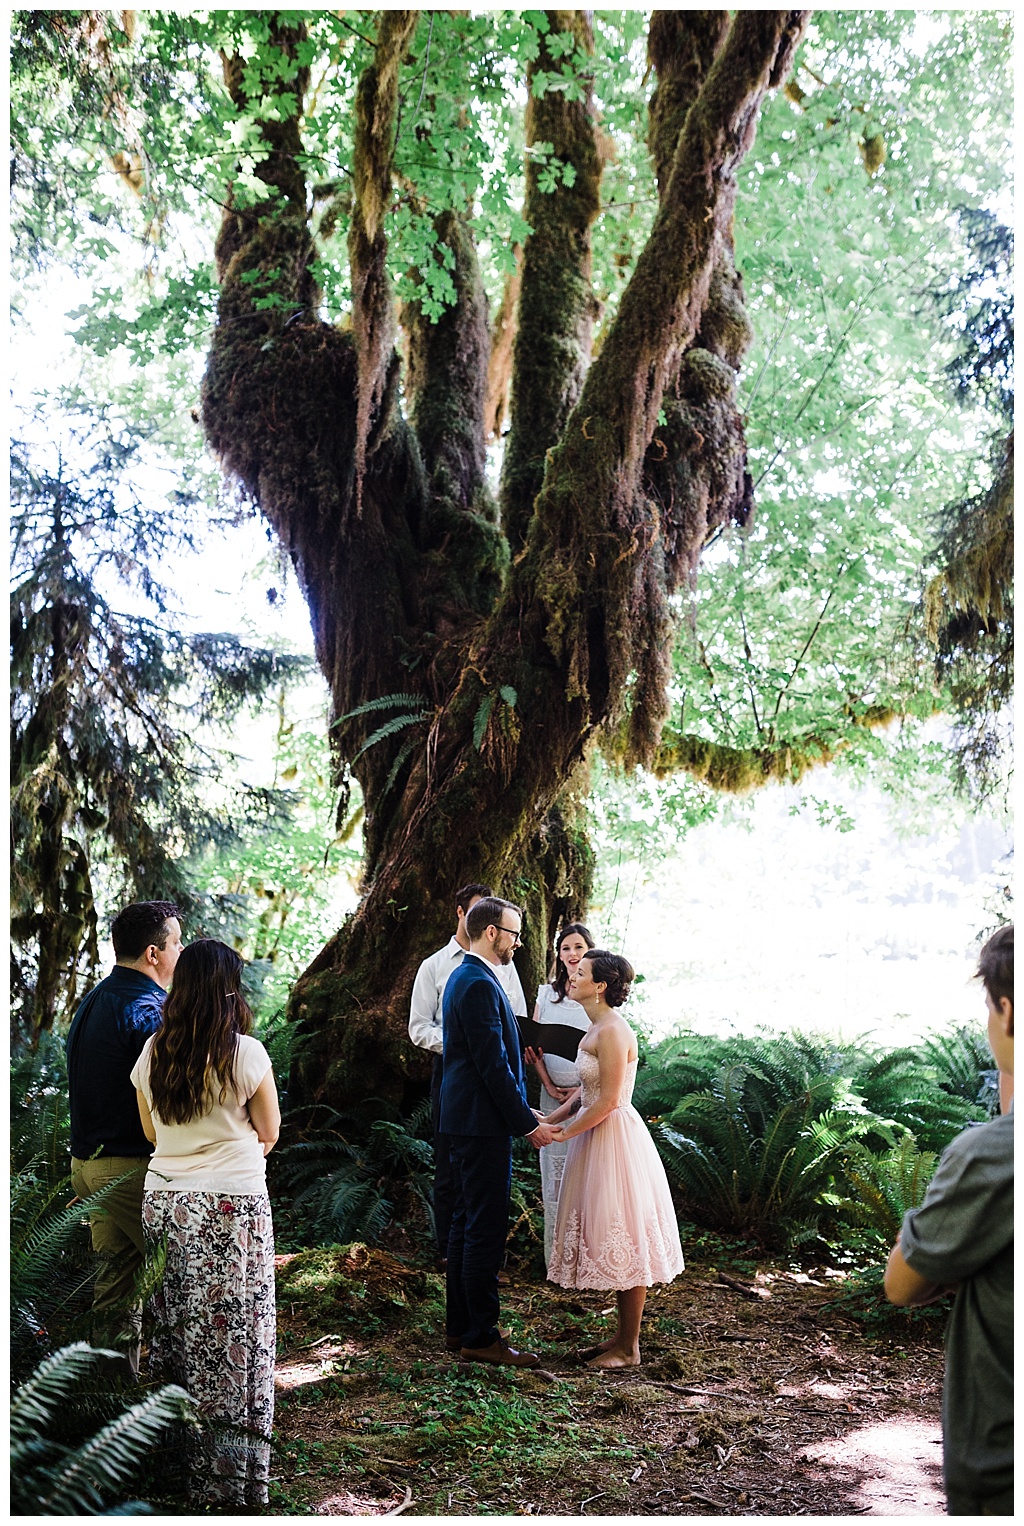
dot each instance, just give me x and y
(467, 684)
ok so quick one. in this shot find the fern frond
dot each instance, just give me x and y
(108, 1460)
(480, 720)
(404, 754)
(385, 702)
(390, 728)
(50, 1385)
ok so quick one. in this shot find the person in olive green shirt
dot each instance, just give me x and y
(962, 1236)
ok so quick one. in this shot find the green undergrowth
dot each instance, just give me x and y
(333, 1285)
(389, 1410)
(447, 1425)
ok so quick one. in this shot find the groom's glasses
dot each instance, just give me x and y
(512, 934)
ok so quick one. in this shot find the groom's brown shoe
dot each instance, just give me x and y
(500, 1354)
(453, 1343)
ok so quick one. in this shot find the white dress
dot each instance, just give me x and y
(616, 1226)
(562, 1073)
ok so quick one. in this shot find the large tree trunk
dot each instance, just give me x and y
(496, 678)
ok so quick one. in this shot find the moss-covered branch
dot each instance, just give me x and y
(446, 376)
(372, 299)
(591, 571)
(280, 412)
(738, 770)
(556, 306)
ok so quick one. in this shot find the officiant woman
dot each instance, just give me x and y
(559, 1078)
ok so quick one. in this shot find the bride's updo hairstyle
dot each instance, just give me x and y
(616, 973)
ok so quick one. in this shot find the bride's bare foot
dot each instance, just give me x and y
(597, 1350)
(614, 1357)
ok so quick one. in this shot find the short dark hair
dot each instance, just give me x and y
(466, 894)
(995, 965)
(616, 972)
(485, 913)
(139, 925)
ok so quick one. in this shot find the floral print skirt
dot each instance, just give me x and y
(216, 1331)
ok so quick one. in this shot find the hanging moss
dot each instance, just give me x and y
(738, 770)
(973, 594)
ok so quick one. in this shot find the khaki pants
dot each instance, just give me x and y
(116, 1229)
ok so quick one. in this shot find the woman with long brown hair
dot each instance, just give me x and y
(559, 1078)
(207, 1100)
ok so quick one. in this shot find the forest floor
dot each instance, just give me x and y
(758, 1395)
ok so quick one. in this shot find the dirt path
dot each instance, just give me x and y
(760, 1403)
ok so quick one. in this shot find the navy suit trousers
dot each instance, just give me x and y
(482, 1170)
(444, 1185)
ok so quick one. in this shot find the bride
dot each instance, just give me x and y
(616, 1226)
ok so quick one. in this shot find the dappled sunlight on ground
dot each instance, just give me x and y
(347, 1503)
(758, 1396)
(326, 1359)
(893, 1467)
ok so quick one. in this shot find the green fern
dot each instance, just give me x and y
(404, 754)
(390, 728)
(480, 720)
(879, 1189)
(51, 1266)
(50, 1477)
(758, 1150)
(386, 702)
(903, 1086)
(40, 1119)
(343, 1186)
(963, 1065)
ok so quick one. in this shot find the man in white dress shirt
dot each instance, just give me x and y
(425, 1030)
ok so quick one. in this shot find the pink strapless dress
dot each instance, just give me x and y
(616, 1226)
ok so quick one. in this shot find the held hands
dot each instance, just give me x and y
(572, 1095)
(542, 1135)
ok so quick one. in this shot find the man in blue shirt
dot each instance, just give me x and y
(105, 1039)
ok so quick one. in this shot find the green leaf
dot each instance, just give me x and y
(480, 720)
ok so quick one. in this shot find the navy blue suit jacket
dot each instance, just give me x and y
(483, 1090)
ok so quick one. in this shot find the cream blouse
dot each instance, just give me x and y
(219, 1151)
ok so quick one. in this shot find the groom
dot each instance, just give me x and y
(483, 1104)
